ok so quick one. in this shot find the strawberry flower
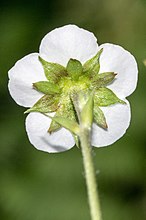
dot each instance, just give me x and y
(70, 62)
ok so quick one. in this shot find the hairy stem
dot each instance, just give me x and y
(90, 176)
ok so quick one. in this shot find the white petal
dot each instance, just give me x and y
(37, 126)
(118, 120)
(67, 42)
(22, 75)
(116, 59)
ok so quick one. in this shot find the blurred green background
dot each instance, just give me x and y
(41, 186)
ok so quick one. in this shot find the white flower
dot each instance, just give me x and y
(59, 46)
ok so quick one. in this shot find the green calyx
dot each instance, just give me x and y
(67, 89)
(92, 66)
(46, 87)
(74, 69)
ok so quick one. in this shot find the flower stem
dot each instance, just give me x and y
(90, 176)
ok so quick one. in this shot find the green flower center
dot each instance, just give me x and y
(64, 83)
(68, 86)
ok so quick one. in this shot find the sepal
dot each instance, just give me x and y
(99, 117)
(48, 103)
(105, 97)
(103, 79)
(74, 69)
(92, 66)
(77, 141)
(46, 87)
(67, 123)
(53, 71)
(65, 110)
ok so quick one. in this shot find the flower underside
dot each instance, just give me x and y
(64, 83)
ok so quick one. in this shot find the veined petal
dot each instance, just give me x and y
(116, 59)
(37, 126)
(118, 120)
(22, 75)
(70, 41)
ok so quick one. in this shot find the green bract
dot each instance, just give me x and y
(67, 88)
